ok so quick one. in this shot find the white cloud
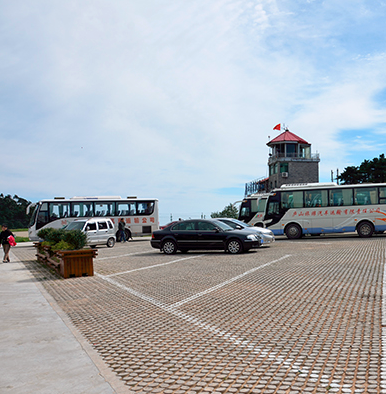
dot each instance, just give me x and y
(176, 100)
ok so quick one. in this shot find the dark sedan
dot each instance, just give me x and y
(203, 234)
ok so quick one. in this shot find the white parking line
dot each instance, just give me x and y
(227, 282)
(288, 363)
(309, 242)
(121, 255)
(153, 266)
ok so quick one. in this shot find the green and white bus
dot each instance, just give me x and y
(322, 208)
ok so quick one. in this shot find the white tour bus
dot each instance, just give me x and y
(252, 209)
(140, 215)
(321, 208)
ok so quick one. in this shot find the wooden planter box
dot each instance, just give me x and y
(68, 263)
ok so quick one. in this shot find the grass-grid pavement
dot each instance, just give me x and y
(300, 316)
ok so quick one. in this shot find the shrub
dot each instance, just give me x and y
(43, 233)
(63, 245)
(75, 237)
(52, 235)
(71, 239)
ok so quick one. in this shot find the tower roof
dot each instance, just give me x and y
(287, 136)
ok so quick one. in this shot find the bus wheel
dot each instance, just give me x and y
(293, 231)
(259, 225)
(365, 229)
(128, 234)
(118, 236)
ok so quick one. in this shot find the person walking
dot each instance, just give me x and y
(4, 241)
(121, 227)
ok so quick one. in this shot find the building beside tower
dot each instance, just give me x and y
(290, 161)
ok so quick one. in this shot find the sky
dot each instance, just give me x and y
(176, 99)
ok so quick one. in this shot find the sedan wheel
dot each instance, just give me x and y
(169, 247)
(234, 246)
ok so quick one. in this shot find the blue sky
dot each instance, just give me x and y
(176, 99)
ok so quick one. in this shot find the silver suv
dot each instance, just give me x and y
(99, 231)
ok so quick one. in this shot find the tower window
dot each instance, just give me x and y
(283, 167)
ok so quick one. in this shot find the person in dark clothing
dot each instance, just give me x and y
(4, 241)
(121, 227)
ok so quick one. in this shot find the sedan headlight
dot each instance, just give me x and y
(253, 237)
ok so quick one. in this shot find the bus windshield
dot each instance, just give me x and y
(252, 209)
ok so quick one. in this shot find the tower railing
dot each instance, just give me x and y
(257, 186)
(293, 156)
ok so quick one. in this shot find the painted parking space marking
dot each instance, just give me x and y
(227, 282)
(308, 242)
(153, 266)
(121, 255)
(314, 375)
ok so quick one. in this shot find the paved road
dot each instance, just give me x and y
(301, 316)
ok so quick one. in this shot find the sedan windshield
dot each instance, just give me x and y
(223, 226)
(75, 226)
(241, 223)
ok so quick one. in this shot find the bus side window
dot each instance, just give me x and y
(365, 195)
(75, 209)
(261, 205)
(133, 209)
(292, 199)
(341, 197)
(382, 195)
(89, 210)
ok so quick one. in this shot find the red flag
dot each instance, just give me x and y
(277, 127)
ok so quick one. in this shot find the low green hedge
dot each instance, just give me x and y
(60, 239)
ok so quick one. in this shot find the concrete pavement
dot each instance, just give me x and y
(40, 353)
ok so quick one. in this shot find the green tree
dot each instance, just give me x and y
(13, 211)
(369, 171)
(230, 211)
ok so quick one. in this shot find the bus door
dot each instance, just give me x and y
(339, 200)
(317, 208)
(273, 213)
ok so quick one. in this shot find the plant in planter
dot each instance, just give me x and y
(63, 250)
(75, 239)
